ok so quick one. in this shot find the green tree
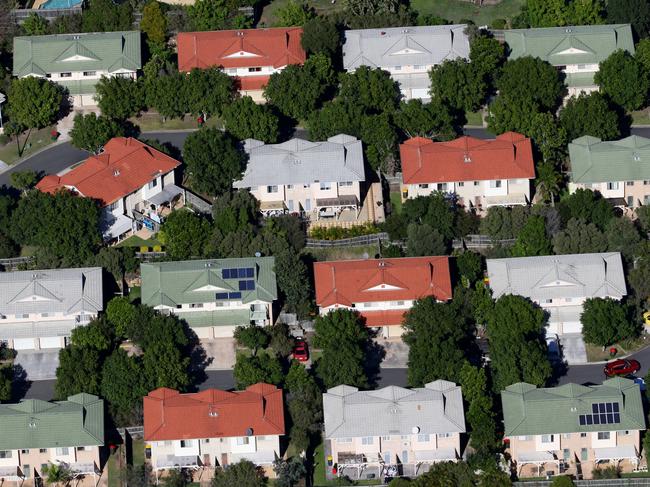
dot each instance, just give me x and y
(548, 182)
(91, 132)
(642, 53)
(294, 13)
(281, 342)
(98, 335)
(479, 415)
(207, 91)
(635, 12)
(605, 321)
(470, 266)
(532, 240)
(122, 386)
(122, 314)
(623, 79)
(23, 180)
(371, 89)
(117, 261)
(252, 337)
(213, 161)
(118, 97)
(257, 368)
(486, 56)
(320, 35)
(293, 280)
(431, 120)
(210, 14)
(106, 16)
(154, 24)
(444, 474)
(184, 235)
(639, 275)
(164, 94)
(79, 370)
(242, 474)
(34, 102)
(304, 404)
(289, 472)
(562, 481)
(529, 78)
(588, 206)
(176, 478)
(380, 139)
(579, 237)
(245, 119)
(424, 240)
(235, 210)
(57, 473)
(590, 114)
(343, 339)
(622, 236)
(6, 380)
(502, 223)
(35, 25)
(458, 84)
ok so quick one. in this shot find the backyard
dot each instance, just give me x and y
(457, 10)
(323, 7)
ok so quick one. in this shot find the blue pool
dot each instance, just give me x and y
(60, 4)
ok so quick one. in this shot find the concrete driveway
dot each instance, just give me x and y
(221, 351)
(396, 352)
(38, 364)
(573, 349)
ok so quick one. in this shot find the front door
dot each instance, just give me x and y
(224, 459)
(405, 456)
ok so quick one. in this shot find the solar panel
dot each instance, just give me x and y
(235, 295)
(221, 296)
(237, 273)
(601, 413)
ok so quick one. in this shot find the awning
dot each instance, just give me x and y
(621, 452)
(83, 468)
(536, 457)
(344, 200)
(439, 455)
(506, 200)
(617, 201)
(112, 226)
(11, 474)
(384, 317)
(564, 314)
(172, 461)
(272, 205)
(258, 458)
(224, 317)
(168, 193)
(37, 329)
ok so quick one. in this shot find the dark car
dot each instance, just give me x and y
(301, 351)
(621, 367)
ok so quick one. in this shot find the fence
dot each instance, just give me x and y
(480, 242)
(198, 203)
(18, 16)
(372, 239)
(12, 263)
(634, 482)
(134, 432)
(149, 255)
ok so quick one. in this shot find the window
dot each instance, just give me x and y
(65, 75)
(441, 186)
(5, 453)
(167, 443)
(289, 186)
(305, 186)
(231, 70)
(423, 186)
(242, 440)
(398, 68)
(568, 300)
(207, 440)
(62, 451)
(524, 438)
(612, 185)
(90, 73)
(603, 435)
(27, 471)
(476, 183)
(385, 438)
(113, 206)
(196, 305)
(42, 450)
(24, 452)
(404, 437)
(43, 467)
(629, 183)
(290, 205)
(584, 454)
(548, 438)
(444, 435)
(583, 435)
(24, 315)
(424, 438)
(566, 454)
(417, 66)
(344, 440)
(582, 66)
(345, 183)
(461, 184)
(48, 75)
(368, 440)
(646, 183)
(325, 186)
(271, 189)
(187, 443)
(630, 201)
(495, 184)
(152, 184)
(548, 301)
(566, 436)
(254, 70)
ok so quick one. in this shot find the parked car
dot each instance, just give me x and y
(301, 351)
(553, 347)
(621, 367)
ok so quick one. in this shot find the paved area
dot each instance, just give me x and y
(220, 352)
(397, 352)
(38, 364)
(573, 349)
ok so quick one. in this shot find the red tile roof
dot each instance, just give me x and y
(213, 413)
(352, 281)
(383, 318)
(509, 156)
(247, 83)
(125, 165)
(266, 47)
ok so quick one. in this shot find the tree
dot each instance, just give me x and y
(117, 261)
(443, 474)
(6, 380)
(548, 181)
(245, 119)
(623, 79)
(122, 386)
(243, 474)
(106, 16)
(432, 120)
(257, 368)
(35, 25)
(590, 114)
(294, 13)
(235, 210)
(424, 240)
(293, 280)
(635, 12)
(639, 276)
(552, 13)
(486, 56)
(549, 139)
(213, 161)
(457, 84)
(532, 240)
(437, 340)
(154, 24)
(57, 473)
(91, 132)
(562, 481)
(622, 236)
(122, 314)
(642, 53)
(304, 404)
(177, 478)
(210, 14)
(343, 338)
(529, 78)
(579, 237)
(605, 321)
(97, 335)
(207, 91)
(515, 329)
(34, 102)
(281, 342)
(252, 337)
(119, 98)
(371, 89)
(320, 35)
(164, 94)
(470, 266)
(479, 413)
(289, 472)
(586, 205)
(79, 370)
(23, 180)
(184, 235)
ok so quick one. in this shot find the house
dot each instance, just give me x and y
(560, 284)
(572, 428)
(213, 296)
(407, 53)
(36, 434)
(320, 180)
(225, 427)
(381, 290)
(481, 173)
(39, 309)
(249, 55)
(618, 169)
(367, 432)
(78, 61)
(575, 51)
(133, 182)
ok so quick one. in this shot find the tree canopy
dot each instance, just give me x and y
(579, 237)
(605, 321)
(118, 97)
(243, 474)
(624, 79)
(184, 234)
(320, 35)
(532, 240)
(635, 12)
(245, 119)
(34, 102)
(91, 132)
(458, 84)
(590, 114)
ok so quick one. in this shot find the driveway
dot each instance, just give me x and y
(220, 352)
(38, 364)
(396, 353)
(573, 349)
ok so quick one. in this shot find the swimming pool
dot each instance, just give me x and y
(60, 4)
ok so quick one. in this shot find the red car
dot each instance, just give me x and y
(621, 367)
(301, 351)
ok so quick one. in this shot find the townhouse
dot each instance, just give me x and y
(617, 169)
(37, 434)
(40, 308)
(575, 51)
(407, 53)
(249, 55)
(381, 290)
(213, 296)
(481, 173)
(319, 180)
(78, 61)
(369, 433)
(225, 427)
(572, 429)
(560, 284)
(134, 183)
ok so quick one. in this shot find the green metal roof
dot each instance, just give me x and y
(95, 51)
(32, 423)
(528, 410)
(199, 281)
(579, 80)
(586, 44)
(597, 161)
(80, 86)
(228, 317)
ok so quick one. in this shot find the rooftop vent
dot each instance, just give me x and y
(636, 156)
(467, 158)
(567, 30)
(415, 430)
(382, 263)
(382, 33)
(116, 173)
(249, 431)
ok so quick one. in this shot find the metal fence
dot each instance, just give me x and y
(149, 255)
(198, 203)
(372, 239)
(633, 482)
(13, 263)
(480, 242)
(18, 16)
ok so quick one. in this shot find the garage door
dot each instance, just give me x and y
(50, 342)
(420, 93)
(571, 327)
(24, 344)
(224, 331)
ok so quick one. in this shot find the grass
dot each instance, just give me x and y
(641, 117)
(113, 468)
(597, 354)
(456, 10)
(37, 140)
(633, 475)
(319, 472)
(28, 250)
(474, 118)
(343, 253)
(150, 122)
(269, 14)
(396, 201)
(135, 293)
(135, 241)
(138, 452)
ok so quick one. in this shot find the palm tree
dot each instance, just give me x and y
(57, 474)
(548, 181)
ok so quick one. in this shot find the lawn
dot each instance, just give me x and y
(37, 140)
(456, 10)
(138, 452)
(113, 468)
(396, 201)
(135, 241)
(641, 117)
(474, 119)
(343, 253)
(319, 472)
(596, 354)
(323, 7)
(150, 122)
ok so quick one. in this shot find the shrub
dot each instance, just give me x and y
(337, 233)
(605, 473)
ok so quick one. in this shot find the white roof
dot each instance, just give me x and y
(298, 161)
(619, 452)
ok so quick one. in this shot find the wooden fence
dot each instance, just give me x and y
(372, 239)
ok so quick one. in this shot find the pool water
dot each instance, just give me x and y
(60, 4)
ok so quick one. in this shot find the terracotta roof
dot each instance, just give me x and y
(509, 156)
(124, 166)
(240, 48)
(352, 281)
(213, 413)
(247, 83)
(383, 318)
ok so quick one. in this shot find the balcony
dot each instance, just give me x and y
(169, 462)
(14, 474)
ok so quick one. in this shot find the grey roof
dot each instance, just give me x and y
(396, 46)
(66, 291)
(299, 161)
(558, 276)
(597, 161)
(436, 408)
